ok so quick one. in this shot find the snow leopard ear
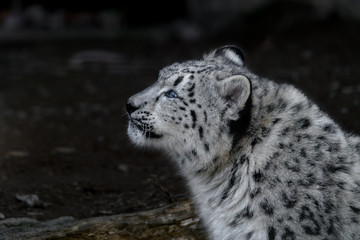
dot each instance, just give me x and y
(235, 90)
(229, 53)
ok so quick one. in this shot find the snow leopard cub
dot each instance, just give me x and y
(262, 161)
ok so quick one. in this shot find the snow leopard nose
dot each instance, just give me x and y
(130, 108)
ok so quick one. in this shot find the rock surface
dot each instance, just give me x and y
(176, 221)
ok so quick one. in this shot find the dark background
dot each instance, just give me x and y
(67, 68)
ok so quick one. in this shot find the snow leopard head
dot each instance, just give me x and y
(193, 106)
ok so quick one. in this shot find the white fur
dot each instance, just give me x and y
(293, 173)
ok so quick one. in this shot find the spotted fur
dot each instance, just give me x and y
(262, 160)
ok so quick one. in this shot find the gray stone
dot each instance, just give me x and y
(30, 199)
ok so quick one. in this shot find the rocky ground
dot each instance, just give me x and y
(63, 146)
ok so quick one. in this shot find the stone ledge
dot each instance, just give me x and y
(175, 221)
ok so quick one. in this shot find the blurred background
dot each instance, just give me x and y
(67, 68)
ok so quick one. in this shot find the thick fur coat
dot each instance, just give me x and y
(262, 161)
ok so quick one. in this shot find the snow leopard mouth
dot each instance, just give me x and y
(145, 129)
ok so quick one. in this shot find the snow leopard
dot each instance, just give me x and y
(262, 161)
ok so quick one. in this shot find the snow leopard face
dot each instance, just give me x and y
(191, 107)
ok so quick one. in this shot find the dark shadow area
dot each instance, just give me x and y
(63, 87)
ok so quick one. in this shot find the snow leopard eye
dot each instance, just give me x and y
(171, 94)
